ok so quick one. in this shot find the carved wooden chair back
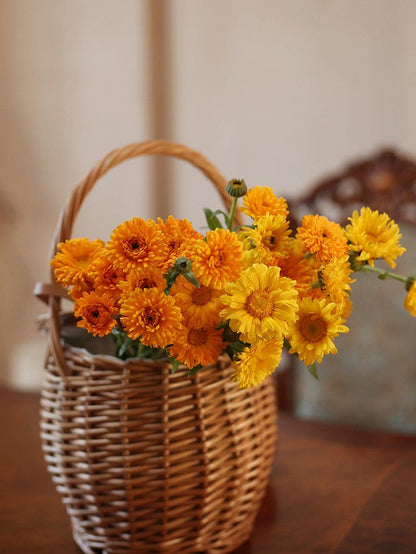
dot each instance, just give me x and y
(385, 182)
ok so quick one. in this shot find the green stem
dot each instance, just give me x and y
(232, 213)
(384, 273)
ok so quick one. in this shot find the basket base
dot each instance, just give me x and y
(86, 549)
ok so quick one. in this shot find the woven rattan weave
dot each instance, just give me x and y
(147, 460)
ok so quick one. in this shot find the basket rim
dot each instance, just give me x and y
(162, 363)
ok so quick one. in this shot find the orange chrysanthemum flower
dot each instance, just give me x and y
(149, 278)
(76, 291)
(179, 236)
(73, 263)
(261, 201)
(297, 267)
(108, 276)
(322, 237)
(152, 316)
(137, 243)
(200, 307)
(198, 346)
(218, 259)
(96, 313)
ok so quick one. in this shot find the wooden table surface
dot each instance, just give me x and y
(332, 489)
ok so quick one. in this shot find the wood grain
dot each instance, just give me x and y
(333, 490)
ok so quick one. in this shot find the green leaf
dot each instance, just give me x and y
(192, 279)
(313, 370)
(220, 212)
(127, 349)
(230, 352)
(170, 277)
(193, 370)
(237, 346)
(228, 334)
(175, 364)
(212, 220)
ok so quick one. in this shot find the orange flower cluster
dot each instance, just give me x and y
(124, 284)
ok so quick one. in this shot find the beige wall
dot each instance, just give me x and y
(278, 92)
(281, 92)
(73, 86)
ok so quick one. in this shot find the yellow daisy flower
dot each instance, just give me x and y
(179, 236)
(318, 323)
(374, 236)
(73, 264)
(217, 259)
(322, 237)
(198, 346)
(201, 306)
(270, 237)
(410, 300)
(96, 313)
(260, 304)
(261, 201)
(256, 362)
(152, 316)
(137, 243)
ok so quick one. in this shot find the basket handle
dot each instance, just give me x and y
(70, 212)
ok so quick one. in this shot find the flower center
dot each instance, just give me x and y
(272, 241)
(201, 296)
(151, 317)
(313, 328)
(112, 276)
(216, 259)
(136, 248)
(97, 314)
(197, 337)
(146, 283)
(83, 262)
(259, 304)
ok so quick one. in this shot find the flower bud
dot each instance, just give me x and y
(182, 265)
(236, 188)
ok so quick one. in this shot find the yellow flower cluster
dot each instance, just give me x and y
(161, 286)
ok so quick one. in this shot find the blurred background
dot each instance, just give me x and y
(278, 92)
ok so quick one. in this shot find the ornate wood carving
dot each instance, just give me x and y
(385, 182)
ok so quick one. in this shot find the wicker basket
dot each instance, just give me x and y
(147, 460)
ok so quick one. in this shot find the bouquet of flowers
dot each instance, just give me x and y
(164, 290)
